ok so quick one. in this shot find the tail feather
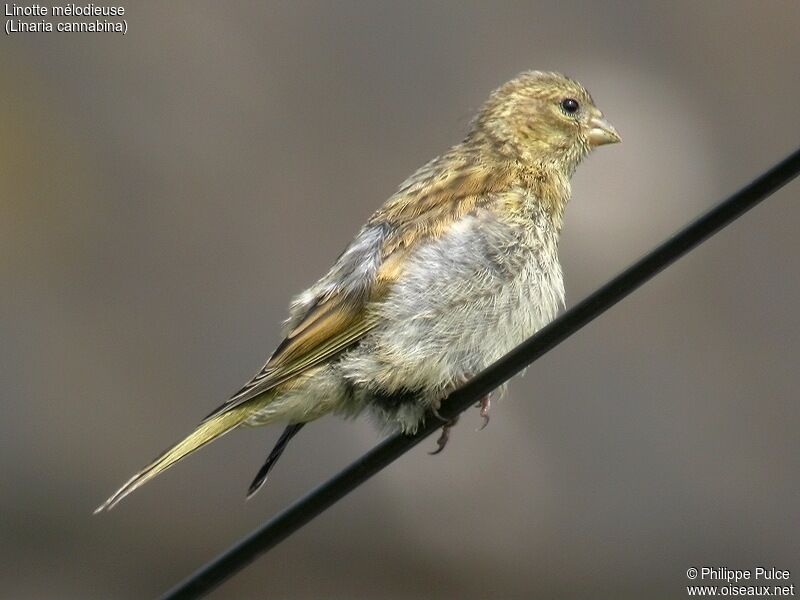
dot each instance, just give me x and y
(206, 432)
(280, 446)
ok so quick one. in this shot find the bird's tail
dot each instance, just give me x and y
(209, 430)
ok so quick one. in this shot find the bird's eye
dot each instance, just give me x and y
(570, 105)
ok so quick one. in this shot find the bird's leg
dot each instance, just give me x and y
(485, 404)
(444, 436)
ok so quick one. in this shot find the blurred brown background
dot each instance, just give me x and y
(166, 192)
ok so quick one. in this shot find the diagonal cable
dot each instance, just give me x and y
(315, 502)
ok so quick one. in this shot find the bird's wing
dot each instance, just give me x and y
(438, 195)
(329, 327)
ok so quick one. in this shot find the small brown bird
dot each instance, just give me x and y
(459, 266)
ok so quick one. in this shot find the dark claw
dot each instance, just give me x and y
(441, 442)
(444, 436)
(435, 412)
(485, 404)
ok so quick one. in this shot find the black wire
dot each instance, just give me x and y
(301, 512)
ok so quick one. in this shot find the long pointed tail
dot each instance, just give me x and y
(206, 432)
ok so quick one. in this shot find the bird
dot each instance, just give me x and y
(457, 267)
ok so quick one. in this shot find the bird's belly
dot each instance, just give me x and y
(464, 302)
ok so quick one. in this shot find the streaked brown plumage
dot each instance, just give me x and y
(455, 269)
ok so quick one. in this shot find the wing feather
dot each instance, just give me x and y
(328, 328)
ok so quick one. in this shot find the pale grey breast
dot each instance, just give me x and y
(464, 300)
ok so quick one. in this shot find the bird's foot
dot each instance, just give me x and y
(444, 436)
(485, 404)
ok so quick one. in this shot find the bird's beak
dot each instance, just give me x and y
(602, 132)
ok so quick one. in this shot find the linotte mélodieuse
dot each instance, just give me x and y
(68, 10)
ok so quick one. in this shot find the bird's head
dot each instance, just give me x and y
(541, 117)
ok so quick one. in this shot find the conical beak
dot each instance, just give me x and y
(602, 132)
